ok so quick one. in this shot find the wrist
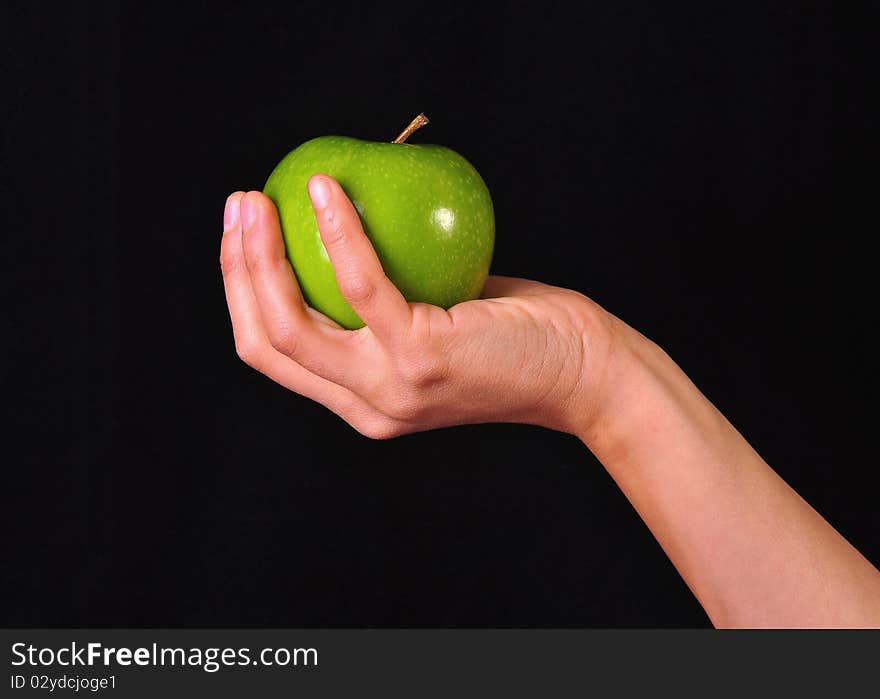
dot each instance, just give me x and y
(605, 358)
(621, 366)
(643, 403)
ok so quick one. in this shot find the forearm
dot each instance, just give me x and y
(752, 551)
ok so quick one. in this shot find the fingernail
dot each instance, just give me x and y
(248, 212)
(319, 191)
(232, 212)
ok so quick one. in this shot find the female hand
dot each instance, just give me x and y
(526, 352)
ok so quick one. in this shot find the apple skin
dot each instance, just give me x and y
(425, 208)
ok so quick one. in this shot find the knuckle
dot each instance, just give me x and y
(424, 370)
(229, 263)
(356, 288)
(259, 255)
(418, 378)
(258, 262)
(378, 429)
(334, 230)
(284, 339)
(248, 351)
(406, 406)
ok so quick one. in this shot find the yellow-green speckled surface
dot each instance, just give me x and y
(426, 210)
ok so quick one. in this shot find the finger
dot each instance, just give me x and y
(291, 330)
(359, 273)
(251, 341)
(243, 310)
(232, 212)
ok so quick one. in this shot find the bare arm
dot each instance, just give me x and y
(753, 552)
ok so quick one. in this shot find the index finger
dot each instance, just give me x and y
(359, 273)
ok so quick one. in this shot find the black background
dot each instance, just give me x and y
(673, 163)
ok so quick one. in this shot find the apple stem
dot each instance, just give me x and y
(414, 125)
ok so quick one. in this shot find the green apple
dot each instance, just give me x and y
(426, 210)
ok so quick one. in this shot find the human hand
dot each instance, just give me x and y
(526, 352)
